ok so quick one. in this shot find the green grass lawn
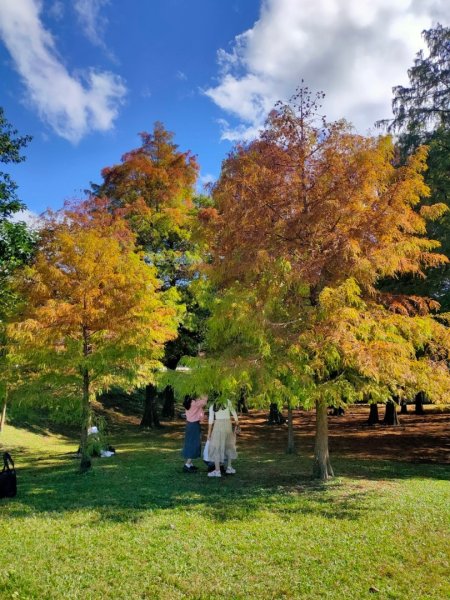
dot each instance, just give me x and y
(137, 527)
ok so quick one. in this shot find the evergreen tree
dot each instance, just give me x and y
(16, 243)
(422, 116)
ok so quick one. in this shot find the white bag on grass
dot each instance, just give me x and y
(206, 451)
(106, 453)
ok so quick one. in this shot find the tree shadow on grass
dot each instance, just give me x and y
(383, 470)
(144, 479)
(42, 424)
(61, 491)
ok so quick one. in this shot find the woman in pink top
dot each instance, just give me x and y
(193, 435)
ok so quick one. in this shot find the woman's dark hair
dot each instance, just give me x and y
(214, 396)
(187, 402)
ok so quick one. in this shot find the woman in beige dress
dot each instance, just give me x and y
(221, 437)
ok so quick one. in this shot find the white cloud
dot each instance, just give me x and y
(33, 220)
(353, 50)
(146, 92)
(235, 133)
(93, 22)
(181, 76)
(56, 10)
(73, 106)
(205, 180)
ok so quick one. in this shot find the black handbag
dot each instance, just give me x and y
(8, 479)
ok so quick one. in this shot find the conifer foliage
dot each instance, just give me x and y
(424, 105)
(153, 187)
(93, 314)
(307, 219)
(16, 244)
(422, 116)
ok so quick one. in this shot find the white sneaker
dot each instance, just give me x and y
(230, 471)
(214, 474)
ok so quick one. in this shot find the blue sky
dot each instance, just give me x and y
(85, 76)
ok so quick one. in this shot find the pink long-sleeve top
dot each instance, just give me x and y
(195, 413)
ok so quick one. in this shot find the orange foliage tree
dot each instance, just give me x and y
(93, 315)
(153, 188)
(307, 219)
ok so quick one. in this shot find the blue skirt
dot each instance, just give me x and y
(192, 440)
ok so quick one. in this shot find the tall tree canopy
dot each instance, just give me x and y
(154, 188)
(16, 241)
(313, 194)
(11, 145)
(93, 315)
(422, 116)
(424, 106)
(307, 219)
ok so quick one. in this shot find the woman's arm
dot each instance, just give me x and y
(233, 412)
(210, 420)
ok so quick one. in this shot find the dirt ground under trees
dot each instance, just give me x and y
(418, 438)
(424, 438)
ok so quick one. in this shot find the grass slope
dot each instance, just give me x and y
(137, 527)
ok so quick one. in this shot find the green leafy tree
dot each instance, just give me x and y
(16, 241)
(10, 152)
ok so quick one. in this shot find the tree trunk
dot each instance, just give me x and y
(242, 404)
(322, 467)
(374, 419)
(275, 416)
(150, 417)
(3, 415)
(403, 407)
(168, 410)
(314, 293)
(390, 414)
(86, 463)
(418, 401)
(290, 445)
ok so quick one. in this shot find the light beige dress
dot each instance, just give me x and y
(222, 445)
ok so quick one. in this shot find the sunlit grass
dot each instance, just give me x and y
(137, 527)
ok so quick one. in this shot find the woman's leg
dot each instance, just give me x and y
(192, 445)
(230, 451)
(230, 470)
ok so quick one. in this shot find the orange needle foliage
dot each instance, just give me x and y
(307, 219)
(92, 315)
(331, 203)
(153, 188)
(156, 172)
